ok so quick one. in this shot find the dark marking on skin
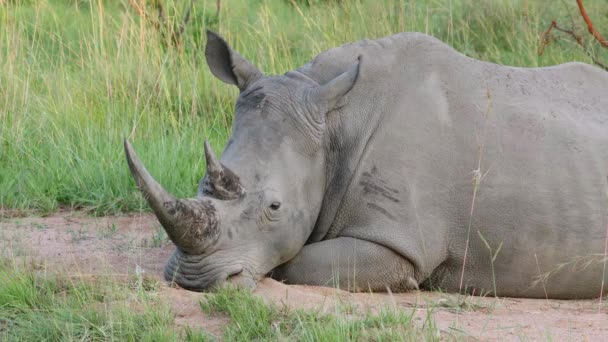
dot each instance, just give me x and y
(230, 141)
(230, 234)
(248, 213)
(381, 210)
(252, 99)
(249, 94)
(261, 106)
(374, 178)
(371, 188)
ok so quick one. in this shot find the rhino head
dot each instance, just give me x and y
(257, 205)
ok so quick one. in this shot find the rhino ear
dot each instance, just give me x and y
(330, 93)
(228, 65)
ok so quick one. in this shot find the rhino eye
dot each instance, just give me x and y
(275, 205)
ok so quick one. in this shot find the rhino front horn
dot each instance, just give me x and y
(190, 223)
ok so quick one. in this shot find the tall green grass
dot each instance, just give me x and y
(77, 77)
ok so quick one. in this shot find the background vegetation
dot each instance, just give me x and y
(76, 77)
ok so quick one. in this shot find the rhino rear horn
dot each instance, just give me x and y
(190, 223)
(220, 182)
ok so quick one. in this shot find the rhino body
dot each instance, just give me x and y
(423, 160)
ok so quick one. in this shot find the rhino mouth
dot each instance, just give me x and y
(198, 273)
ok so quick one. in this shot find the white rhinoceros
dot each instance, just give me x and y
(361, 169)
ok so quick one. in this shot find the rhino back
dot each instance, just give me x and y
(418, 123)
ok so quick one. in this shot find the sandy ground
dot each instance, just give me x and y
(86, 246)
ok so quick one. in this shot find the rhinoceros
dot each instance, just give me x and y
(397, 164)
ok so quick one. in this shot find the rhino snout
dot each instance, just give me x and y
(199, 273)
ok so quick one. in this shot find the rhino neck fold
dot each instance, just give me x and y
(345, 146)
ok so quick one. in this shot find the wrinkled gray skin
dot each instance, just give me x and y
(358, 170)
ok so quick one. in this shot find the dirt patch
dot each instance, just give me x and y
(123, 246)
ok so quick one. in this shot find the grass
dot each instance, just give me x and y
(38, 306)
(77, 77)
(252, 319)
(35, 306)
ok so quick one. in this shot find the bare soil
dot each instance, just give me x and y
(118, 246)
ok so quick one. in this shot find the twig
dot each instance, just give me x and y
(161, 24)
(592, 30)
(177, 33)
(599, 305)
(162, 19)
(541, 278)
(142, 13)
(576, 37)
(546, 39)
(139, 10)
(477, 178)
